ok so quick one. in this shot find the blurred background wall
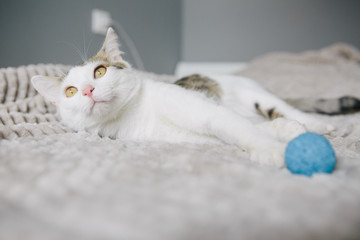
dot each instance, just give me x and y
(168, 31)
(48, 31)
(239, 30)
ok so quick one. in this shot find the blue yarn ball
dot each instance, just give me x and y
(310, 153)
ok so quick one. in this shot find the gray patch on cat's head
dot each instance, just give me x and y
(110, 53)
(103, 58)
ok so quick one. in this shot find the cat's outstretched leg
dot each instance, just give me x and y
(283, 129)
(197, 114)
(268, 153)
(263, 147)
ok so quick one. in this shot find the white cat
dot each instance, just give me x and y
(106, 96)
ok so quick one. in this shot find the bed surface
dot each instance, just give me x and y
(58, 184)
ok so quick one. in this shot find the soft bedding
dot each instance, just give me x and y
(58, 184)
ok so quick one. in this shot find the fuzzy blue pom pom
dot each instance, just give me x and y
(310, 153)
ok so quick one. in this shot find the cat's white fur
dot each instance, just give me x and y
(125, 105)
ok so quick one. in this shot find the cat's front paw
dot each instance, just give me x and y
(283, 129)
(320, 127)
(269, 154)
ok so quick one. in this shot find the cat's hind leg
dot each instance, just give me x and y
(247, 93)
(283, 110)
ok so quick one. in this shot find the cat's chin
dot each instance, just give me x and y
(99, 109)
(98, 106)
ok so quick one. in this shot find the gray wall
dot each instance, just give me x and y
(239, 30)
(43, 31)
(166, 31)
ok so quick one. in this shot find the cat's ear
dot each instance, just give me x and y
(111, 49)
(48, 87)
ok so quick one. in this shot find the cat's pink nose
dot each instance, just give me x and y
(87, 91)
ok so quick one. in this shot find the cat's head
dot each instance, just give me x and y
(94, 92)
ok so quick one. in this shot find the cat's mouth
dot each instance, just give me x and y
(98, 106)
(97, 103)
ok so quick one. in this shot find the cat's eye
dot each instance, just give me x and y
(70, 91)
(99, 71)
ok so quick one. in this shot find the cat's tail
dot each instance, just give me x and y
(335, 106)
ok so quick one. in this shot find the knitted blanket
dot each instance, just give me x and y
(58, 184)
(22, 111)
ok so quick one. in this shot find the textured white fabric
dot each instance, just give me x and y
(56, 184)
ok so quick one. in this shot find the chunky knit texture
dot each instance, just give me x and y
(22, 111)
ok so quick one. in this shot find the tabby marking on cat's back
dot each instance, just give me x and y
(202, 84)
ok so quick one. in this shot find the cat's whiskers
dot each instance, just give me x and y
(61, 73)
(86, 51)
(78, 51)
(85, 55)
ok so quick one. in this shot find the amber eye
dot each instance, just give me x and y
(70, 91)
(99, 72)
